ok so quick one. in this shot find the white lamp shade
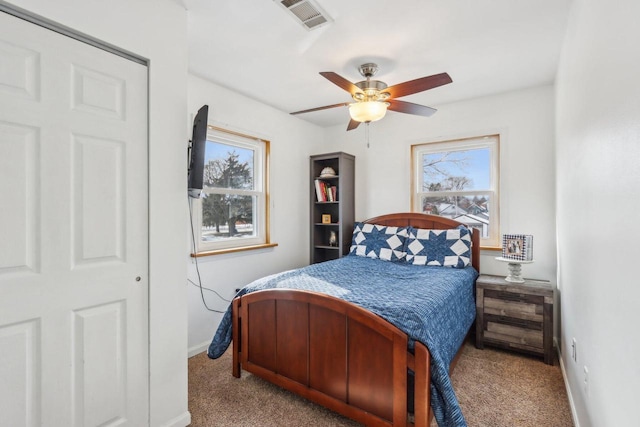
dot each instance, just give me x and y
(368, 111)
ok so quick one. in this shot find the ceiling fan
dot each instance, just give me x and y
(373, 97)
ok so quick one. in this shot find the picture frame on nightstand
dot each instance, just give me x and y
(517, 247)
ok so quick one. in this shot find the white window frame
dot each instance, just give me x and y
(260, 147)
(492, 142)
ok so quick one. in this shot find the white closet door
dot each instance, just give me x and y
(73, 232)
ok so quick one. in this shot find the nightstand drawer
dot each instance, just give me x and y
(513, 334)
(517, 309)
(522, 297)
(513, 321)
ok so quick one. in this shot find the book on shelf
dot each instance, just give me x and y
(319, 191)
(325, 192)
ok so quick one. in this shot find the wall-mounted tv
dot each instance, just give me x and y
(196, 152)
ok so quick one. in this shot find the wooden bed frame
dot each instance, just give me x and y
(335, 353)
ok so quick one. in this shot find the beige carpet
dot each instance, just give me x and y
(494, 388)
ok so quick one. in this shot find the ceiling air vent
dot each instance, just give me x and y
(306, 12)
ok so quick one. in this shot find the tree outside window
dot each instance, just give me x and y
(459, 180)
(221, 213)
(233, 208)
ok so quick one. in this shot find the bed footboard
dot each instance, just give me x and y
(331, 352)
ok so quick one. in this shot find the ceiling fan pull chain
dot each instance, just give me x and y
(366, 133)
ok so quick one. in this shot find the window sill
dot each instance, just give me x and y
(232, 250)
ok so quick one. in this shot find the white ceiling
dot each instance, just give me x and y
(257, 48)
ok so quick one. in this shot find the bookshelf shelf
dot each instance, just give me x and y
(340, 188)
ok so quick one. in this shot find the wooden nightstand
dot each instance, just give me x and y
(515, 316)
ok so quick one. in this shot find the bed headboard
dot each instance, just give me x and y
(420, 220)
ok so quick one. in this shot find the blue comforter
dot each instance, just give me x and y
(432, 305)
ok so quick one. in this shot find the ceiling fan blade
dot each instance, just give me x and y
(410, 108)
(342, 104)
(418, 85)
(340, 81)
(353, 124)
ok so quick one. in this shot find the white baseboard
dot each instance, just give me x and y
(574, 414)
(199, 348)
(181, 420)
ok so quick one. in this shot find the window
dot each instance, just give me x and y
(233, 211)
(459, 179)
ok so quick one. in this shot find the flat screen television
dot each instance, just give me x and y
(196, 152)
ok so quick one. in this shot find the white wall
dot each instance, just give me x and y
(134, 26)
(525, 121)
(598, 184)
(292, 141)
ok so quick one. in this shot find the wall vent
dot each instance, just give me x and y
(306, 12)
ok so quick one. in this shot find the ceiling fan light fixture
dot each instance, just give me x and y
(368, 111)
(373, 97)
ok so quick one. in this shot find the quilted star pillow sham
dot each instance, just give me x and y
(445, 248)
(378, 241)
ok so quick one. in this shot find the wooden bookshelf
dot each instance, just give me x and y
(339, 204)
